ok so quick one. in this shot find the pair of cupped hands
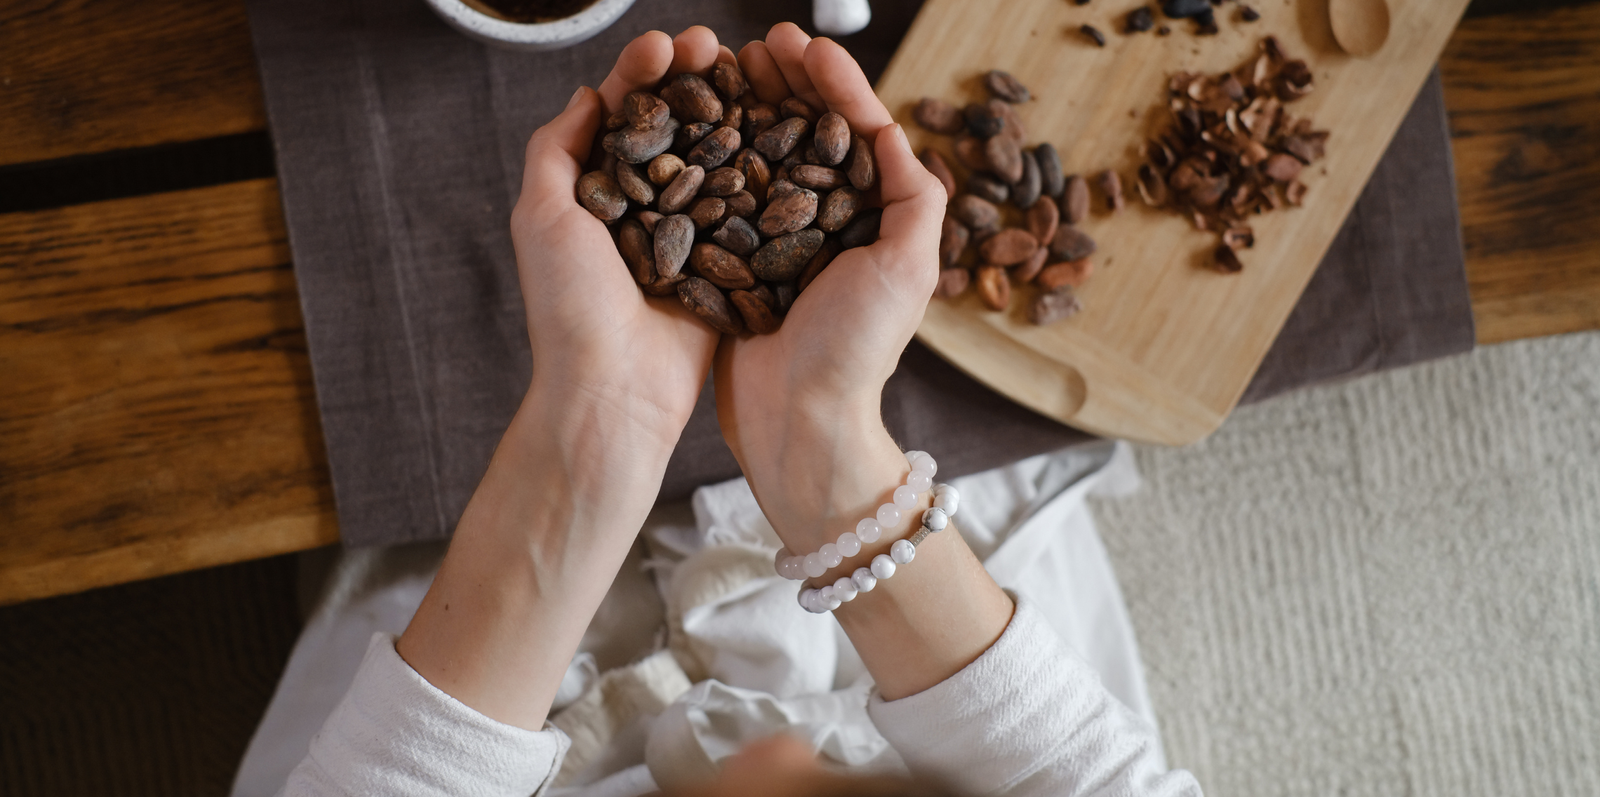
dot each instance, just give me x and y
(799, 408)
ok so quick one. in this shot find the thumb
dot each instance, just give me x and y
(556, 151)
(914, 202)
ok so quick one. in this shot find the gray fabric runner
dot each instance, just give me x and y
(399, 147)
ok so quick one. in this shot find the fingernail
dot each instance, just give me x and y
(900, 136)
(576, 95)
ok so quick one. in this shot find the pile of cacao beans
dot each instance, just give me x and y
(1035, 241)
(731, 204)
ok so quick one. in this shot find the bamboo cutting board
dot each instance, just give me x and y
(1164, 347)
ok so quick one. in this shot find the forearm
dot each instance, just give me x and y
(533, 555)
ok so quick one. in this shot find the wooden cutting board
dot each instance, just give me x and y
(1164, 347)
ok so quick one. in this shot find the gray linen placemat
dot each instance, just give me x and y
(399, 148)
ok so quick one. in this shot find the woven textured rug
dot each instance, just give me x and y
(1385, 587)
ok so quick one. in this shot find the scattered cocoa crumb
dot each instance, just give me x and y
(1094, 34)
(1139, 20)
(1249, 14)
(1163, 31)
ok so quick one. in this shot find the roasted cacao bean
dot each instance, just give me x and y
(934, 163)
(645, 110)
(779, 140)
(784, 257)
(1008, 247)
(991, 188)
(1043, 218)
(1076, 208)
(788, 213)
(825, 254)
(757, 315)
(983, 120)
(994, 288)
(1004, 157)
(706, 301)
(838, 208)
(1025, 271)
(737, 236)
(953, 282)
(818, 178)
(1071, 243)
(1051, 180)
(970, 152)
(706, 211)
(637, 250)
(1003, 86)
(862, 230)
(741, 203)
(673, 239)
(715, 148)
(638, 146)
(665, 167)
(953, 237)
(976, 213)
(831, 141)
(938, 116)
(723, 181)
(1026, 191)
(600, 194)
(1073, 273)
(729, 80)
(862, 167)
(796, 108)
(692, 98)
(720, 267)
(759, 119)
(634, 185)
(683, 188)
(1111, 186)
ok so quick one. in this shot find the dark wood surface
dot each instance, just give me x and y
(159, 413)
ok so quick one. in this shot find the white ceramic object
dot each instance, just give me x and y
(538, 36)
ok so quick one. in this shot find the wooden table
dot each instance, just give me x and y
(156, 403)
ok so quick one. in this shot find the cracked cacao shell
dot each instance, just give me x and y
(784, 257)
(994, 288)
(599, 193)
(779, 140)
(673, 239)
(788, 213)
(706, 301)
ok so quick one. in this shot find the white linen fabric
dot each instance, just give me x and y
(742, 661)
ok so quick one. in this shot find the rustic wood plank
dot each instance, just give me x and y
(1523, 91)
(157, 404)
(80, 76)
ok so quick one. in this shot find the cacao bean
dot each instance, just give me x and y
(786, 293)
(1138, 20)
(778, 141)
(741, 203)
(645, 110)
(729, 80)
(732, 116)
(1051, 179)
(788, 213)
(616, 121)
(737, 236)
(1282, 168)
(1027, 190)
(715, 148)
(1111, 186)
(953, 237)
(693, 99)
(784, 257)
(690, 135)
(1072, 273)
(976, 213)
(1003, 86)
(862, 167)
(759, 119)
(637, 250)
(673, 239)
(765, 294)
(664, 286)
(1070, 243)
(683, 188)
(720, 267)
(831, 141)
(983, 119)
(639, 146)
(1004, 157)
(796, 108)
(608, 162)
(938, 116)
(780, 188)
(1025, 271)
(825, 254)
(934, 162)
(1052, 306)
(796, 156)
(1076, 208)
(634, 185)
(1008, 247)
(1013, 128)
(757, 315)
(818, 178)
(706, 211)
(838, 208)
(1226, 260)
(649, 219)
(953, 282)
(757, 175)
(722, 181)
(706, 301)
(970, 153)
(862, 230)
(1043, 218)
(993, 287)
(599, 193)
(665, 167)
(988, 187)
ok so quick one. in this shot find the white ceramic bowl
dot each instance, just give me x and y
(539, 36)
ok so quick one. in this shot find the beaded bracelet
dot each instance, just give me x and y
(798, 568)
(945, 502)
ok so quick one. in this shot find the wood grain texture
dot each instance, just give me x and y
(157, 404)
(1165, 347)
(81, 76)
(1523, 92)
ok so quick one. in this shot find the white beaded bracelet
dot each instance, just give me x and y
(945, 502)
(799, 568)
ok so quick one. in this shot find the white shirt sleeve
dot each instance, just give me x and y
(396, 734)
(1028, 717)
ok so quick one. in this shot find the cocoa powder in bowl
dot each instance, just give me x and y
(529, 11)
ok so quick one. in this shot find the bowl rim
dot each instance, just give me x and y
(599, 14)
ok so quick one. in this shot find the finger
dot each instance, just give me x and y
(694, 51)
(763, 74)
(556, 151)
(840, 84)
(726, 56)
(787, 42)
(640, 66)
(914, 202)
